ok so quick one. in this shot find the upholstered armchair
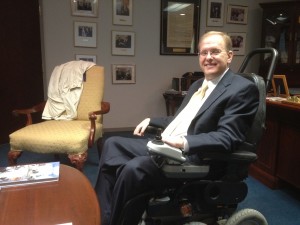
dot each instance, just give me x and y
(72, 137)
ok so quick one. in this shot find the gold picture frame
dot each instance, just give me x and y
(280, 86)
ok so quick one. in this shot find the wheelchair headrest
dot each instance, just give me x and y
(258, 126)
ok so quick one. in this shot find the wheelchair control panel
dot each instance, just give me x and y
(158, 147)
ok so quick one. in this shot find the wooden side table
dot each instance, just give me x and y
(173, 101)
(72, 200)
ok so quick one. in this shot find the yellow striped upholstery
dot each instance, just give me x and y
(92, 94)
(65, 136)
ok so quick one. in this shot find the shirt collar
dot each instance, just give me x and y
(213, 83)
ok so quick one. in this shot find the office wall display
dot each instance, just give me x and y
(238, 42)
(237, 14)
(89, 58)
(215, 13)
(87, 8)
(123, 74)
(123, 43)
(85, 34)
(122, 12)
(179, 28)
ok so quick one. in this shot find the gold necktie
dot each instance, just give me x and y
(182, 121)
(203, 91)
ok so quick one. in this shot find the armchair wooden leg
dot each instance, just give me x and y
(13, 156)
(78, 160)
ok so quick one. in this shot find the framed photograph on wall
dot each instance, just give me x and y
(89, 58)
(179, 27)
(123, 43)
(238, 42)
(85, 34)
(123, 74)
(87, 8)
(280, 86)
(122, 12)
(215, 13)
(237, 14)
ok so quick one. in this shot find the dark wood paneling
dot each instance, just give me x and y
(279, 152)
(21, 82)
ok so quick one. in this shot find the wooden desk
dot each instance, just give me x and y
(279, 152)
(72, 199)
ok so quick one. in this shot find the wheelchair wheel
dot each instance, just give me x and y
(247, 217)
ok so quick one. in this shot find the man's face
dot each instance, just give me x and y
(213, 56)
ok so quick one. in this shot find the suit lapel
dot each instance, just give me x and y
(217, 92)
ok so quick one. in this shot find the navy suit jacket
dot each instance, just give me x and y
(224, 118)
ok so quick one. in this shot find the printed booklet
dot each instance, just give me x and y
(29, 174)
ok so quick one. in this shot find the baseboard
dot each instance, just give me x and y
(119, 129)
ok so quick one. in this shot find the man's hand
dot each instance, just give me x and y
(140, 129)
(176, 142)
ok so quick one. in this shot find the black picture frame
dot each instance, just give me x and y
(179, 34)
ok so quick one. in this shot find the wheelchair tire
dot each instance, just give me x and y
(247, 217)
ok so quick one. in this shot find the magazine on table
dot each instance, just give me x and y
(29, 174)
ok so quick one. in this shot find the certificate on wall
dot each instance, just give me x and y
(179, 27)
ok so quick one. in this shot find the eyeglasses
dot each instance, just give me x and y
(213, 52)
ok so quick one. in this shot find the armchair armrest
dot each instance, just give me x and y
(105, 108)
(37, 108)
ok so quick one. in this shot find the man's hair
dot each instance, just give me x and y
(225, 37)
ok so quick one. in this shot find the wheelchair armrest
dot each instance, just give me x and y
(174, 165)
(154, 130)
(188, 170)
(242, 156)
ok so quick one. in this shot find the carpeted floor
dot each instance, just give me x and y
(280, 207)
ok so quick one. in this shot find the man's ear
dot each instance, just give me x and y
(230, 56)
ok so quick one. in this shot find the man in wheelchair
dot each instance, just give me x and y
(213, 121)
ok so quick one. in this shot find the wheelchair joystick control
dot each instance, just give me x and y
(158, 147)
(157, 140)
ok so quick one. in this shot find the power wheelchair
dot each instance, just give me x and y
(203, 194)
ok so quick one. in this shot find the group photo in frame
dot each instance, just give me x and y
(179, 29)
(238, 40)
(123, 73)
(123, 43)
(88, 58)
(215, 13)
(85, 34)
(280, 86)
(237, 14)
(122, 12)
(87, 8)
